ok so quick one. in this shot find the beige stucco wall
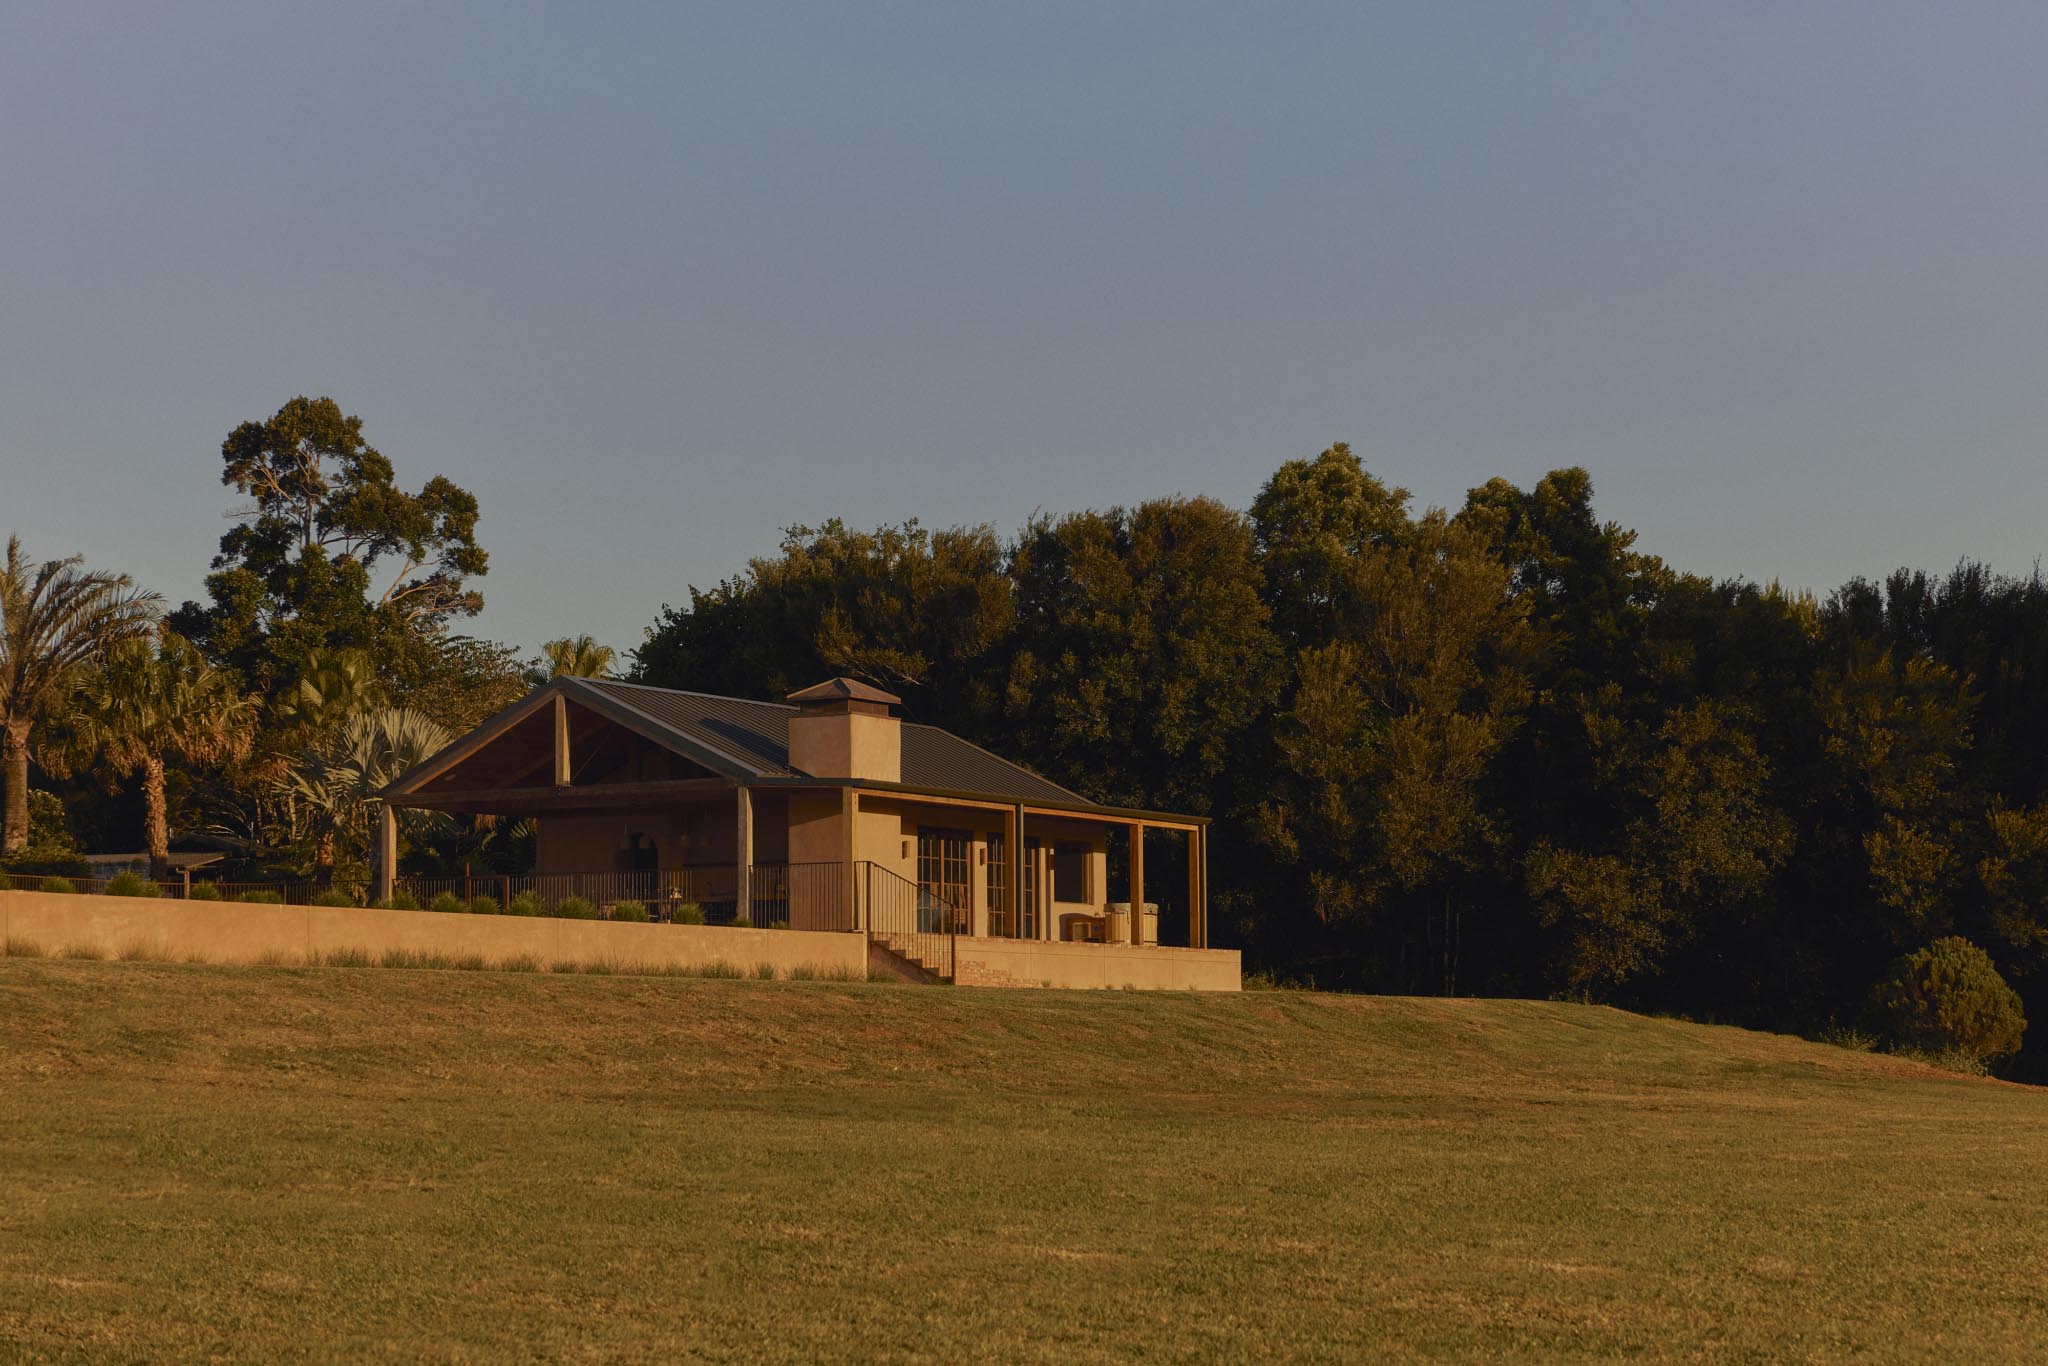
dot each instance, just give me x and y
(1028, 963)
(224, 932)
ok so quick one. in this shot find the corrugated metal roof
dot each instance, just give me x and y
(754, 737)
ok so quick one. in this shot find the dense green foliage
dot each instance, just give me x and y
(1497, 749)
(1950, 996)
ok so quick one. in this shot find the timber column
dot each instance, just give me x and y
(387, 851)
(743, 855)
(1138, 882)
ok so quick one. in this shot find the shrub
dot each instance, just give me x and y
(483, 905)
(203, 891)
(402, 902)
(741, 920)
(526, 903)
(631, 911)
(331, 897)
(130, 884)
(1949, 996)
(448, 904)
(575, 908)
(62, 885)
(689, 913)
(261, 898)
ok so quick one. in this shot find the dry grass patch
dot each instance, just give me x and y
(255, 1163)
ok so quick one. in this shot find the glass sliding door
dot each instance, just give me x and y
(944, 885)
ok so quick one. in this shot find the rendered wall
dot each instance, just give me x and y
(224, 932)
(1030, 963)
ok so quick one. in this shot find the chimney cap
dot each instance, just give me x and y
(844, 690)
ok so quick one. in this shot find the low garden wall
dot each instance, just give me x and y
(230, 932)
(1036, 963)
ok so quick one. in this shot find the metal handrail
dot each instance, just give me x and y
(909, 920)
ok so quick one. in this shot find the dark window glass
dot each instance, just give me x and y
(1070, 873)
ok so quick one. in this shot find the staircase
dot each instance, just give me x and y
(910, 931)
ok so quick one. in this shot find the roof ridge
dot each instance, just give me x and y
(688, 692)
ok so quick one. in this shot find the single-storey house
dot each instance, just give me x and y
(828, 812)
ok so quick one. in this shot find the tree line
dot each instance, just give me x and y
(1496, 749)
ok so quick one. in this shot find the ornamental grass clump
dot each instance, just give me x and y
(688, 913)
(63, 886)
(483, 905)
(448, 904)
(1949, 999)
(631, 911)
(575, 908)
(526, 903)
(331, 897)
(261, 898)
(130, 884)
(203, 891)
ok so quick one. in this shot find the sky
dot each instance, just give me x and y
(657, 280)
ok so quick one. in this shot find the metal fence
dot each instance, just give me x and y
(806, 896)
(176, 889)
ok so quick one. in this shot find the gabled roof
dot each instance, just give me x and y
(752, 740)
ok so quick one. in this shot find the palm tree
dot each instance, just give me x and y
(55, 618)
(340, 781)
(149, 703)
(581, 657)
(335, 685)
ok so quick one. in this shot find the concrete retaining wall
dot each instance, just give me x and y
(226, 932)
(1031, 963)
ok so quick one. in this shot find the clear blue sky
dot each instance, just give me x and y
(655, 280)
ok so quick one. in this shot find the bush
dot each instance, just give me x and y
(62, 885)
(1948, 996)
(330, 897)
(448, 904)
(402, 902)
(526, 903)
(130, 884)
(575, 908)
(483, 905)
(203, 891)
(631, 911)
(261, 898)
(689, 913)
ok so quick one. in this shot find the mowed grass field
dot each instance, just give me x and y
(282, 1163)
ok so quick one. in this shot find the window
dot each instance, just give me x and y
(943, 859)
(1070, 873)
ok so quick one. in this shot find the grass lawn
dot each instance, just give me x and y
(269, 1163)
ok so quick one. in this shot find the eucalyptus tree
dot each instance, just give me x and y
(330, 553)
(56, 618)
(151, 703)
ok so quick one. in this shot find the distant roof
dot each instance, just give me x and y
(849, 689)
(178, 859)
(753, 739)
